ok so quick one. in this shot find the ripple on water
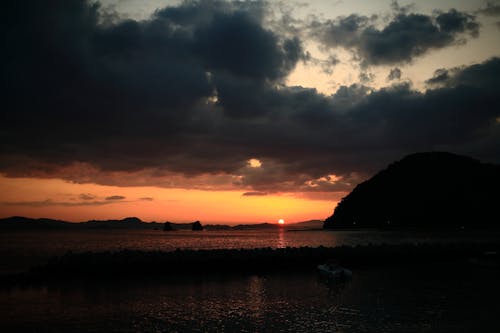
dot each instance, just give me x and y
(376, 300)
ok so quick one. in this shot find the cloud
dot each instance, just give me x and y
(131, 83)
(480, 76)
(405, 37)
(115, 198)
(149, 103)
(253, 194)
(441, 76)
(236, 43)
(365, 77)
(147, 199)
(491, 9)
(397, 8)
(49, 203)
(326, 65)
(394, 74)
(87, 196)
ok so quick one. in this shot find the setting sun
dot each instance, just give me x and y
(281, 221)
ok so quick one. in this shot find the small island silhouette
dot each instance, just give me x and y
(424, 190)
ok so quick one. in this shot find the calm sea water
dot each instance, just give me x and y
(398, 299)
(410, 299)
(20, 250)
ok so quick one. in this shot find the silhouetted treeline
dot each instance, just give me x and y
(133, 263)
(197, 226)
(426, 190)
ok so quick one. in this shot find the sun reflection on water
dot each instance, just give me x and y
(281, 239)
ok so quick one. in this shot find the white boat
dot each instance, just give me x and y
(334, 271)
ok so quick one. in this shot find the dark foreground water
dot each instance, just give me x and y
(437, 298)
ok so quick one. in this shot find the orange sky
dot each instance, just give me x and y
(60, 199)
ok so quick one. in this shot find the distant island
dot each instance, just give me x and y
(424, 190)
(134, 223)
(26, 223)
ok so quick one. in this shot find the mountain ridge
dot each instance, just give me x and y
(26, 223)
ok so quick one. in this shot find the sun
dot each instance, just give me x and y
(281, 221)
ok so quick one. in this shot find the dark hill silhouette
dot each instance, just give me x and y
(126, 223)
(25, 223)
(435, 189)
(256, 226)
(306, 225)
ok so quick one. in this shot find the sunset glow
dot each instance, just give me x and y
(80, 202)
(281, 221)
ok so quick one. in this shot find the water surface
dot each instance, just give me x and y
(20, 250)
(410, 299)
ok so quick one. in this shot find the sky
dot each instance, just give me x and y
(234, 111)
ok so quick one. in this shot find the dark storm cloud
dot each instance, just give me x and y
(405, 37)
(441, 76)
(360, 129)
(483, 76)
(464, 108)
(73, 83)
(115, 197)
(198, 90)
(376, 125)
(231, 43)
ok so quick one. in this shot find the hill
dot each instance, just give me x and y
(256, 226)
(126, 223)
(429, 190)
(306, 225)
(25, 223)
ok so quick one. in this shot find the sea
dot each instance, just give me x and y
(437, 298)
